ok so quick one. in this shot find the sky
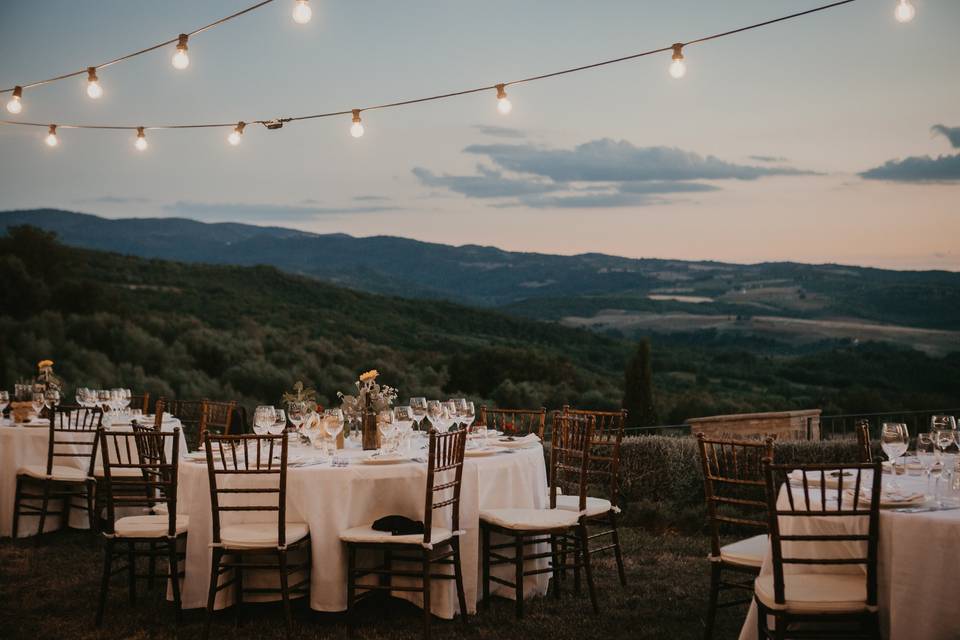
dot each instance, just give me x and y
(830, 138)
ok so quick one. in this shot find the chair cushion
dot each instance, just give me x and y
(122, 472)
(530, 519)
(58, 472)
(595, 506)
(367, 533)
(816, 592)
(749, 552)
(148, 526)
(260, 534)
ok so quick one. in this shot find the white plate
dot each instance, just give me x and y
(485, 451)
(892, 502)
(383, 460)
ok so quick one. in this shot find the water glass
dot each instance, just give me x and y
(263, 418)
(4, 399)
(37, 401)
(894, 440)
(926, 454)
(419, 408)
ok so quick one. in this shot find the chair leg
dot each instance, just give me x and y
(16, 507)
(285, 591)
(105, 579)
(458, 578)
(485, 555)
(617, 552)
(351, 587)
(212, 592)
(426, 594)
(43, 506)
(577, 564)
(93, 514)
(174, 571)
(555, 560)
(715, 570)
(518, 574)
(587, 567)
(238, 592)
(152, 566)
(132, 572)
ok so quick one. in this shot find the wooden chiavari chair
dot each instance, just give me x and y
(601, 517)
(519, 422)
(734, 488)
(73, 435)
(828, 596)
(234, 463)
(137, 474)
(561, 528)
(437, 546)
(217, 417)
(141, 401)
(864, 448)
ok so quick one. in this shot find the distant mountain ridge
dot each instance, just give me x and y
(542, 286)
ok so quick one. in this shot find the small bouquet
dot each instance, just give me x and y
(371, 399)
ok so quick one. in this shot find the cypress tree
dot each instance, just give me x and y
(638, 388)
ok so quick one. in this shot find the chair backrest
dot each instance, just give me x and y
(734, 484)
(852, 498)
(141, 402)
(73, 434)
(608, 429)
(446, 458)
(519, 422)
(231, 460)
(143, 449)
(864, 448)
(570, 450)
(217, 417)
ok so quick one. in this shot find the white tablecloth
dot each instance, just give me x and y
(22, 445)
(333, 499)
(918, 571)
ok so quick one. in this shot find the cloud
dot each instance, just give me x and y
(489, 184)
(500, 132)
(952, 134)
(113, 200)
(666, 187)
(768, 158)
(370, 198)
(917, 169)
(260, 212)
(609, 160)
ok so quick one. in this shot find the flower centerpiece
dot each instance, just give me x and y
(46, 378)
(371, 399)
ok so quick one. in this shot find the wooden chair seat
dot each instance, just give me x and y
(58, 473)
(148, 526)
(748, 552)
(367, 534)
(595, 506)
(816, 593)
(117, 473)
(261, 535)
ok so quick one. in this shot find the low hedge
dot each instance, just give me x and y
(661, 483)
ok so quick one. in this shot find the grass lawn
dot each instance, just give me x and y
(49, 590)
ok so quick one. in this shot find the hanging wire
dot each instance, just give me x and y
(160, 45)
(441, 96)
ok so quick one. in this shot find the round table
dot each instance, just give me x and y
(332, 499)
(26, 444)
(918, 569)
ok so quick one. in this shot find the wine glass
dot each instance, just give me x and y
(894, 440)
(333, 426)
(263, 418)
(450, 413)
(297, 413)
(926, 454)
(944, 430)
(435, 415)
(51, 398)
(403, 417)
(4, 400)
(468, 415)
(419, 408)
(387, 428)
(37, 401)
(279, 424)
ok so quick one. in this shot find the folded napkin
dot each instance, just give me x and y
(398, 525)
(530, 437)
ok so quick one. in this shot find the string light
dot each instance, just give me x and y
(15, 106)
(237, 134)
(52, 136)
(94, 90)
(678, 67)
(302, 12)
(180, 59)
(905, 11)
(356, 129)
(141, 142)
(503, 102)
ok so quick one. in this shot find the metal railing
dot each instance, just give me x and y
(841, 425)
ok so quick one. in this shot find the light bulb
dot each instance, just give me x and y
(141, 141)
(905, 11)
(94, 90)
(52, 136)
(237, 134)
(678, 67)
(15, 106)
(180, 59)
(356, 129)
(503, 102)
(302, 12)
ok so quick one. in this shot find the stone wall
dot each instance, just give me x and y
(781, 425)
